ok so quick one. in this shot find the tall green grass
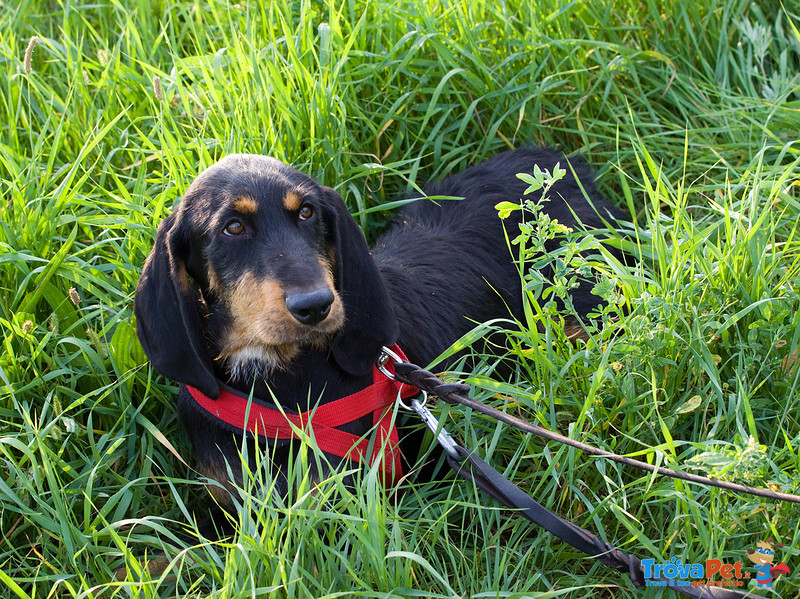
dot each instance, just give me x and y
(689, 113)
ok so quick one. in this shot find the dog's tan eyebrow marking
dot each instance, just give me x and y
(292, 201)
(245, 205)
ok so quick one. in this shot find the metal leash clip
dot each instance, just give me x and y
(442, 436)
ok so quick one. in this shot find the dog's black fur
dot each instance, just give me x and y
(261, 276)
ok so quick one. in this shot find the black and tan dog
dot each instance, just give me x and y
(261, 281)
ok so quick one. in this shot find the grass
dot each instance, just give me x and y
(689, 113)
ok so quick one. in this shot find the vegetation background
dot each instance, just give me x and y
(688, 111)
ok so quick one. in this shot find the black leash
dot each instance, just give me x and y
(507, 493)
(474, 469)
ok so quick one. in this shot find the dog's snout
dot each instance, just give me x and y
(310, 307)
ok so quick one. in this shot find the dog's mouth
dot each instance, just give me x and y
(245, 355)
(269, 325)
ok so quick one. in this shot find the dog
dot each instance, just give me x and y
(261, 283)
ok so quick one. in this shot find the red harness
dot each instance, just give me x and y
(245, 415)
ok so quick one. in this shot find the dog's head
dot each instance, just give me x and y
(257, 262)
(765, 554)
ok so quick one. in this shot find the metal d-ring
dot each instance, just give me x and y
(386, 354)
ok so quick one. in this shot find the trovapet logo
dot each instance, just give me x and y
(763, 558)
(715, 572)
(712, 572)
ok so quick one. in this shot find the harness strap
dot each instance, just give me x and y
(243, 413)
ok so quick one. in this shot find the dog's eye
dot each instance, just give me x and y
(233, 228)
(306, 211)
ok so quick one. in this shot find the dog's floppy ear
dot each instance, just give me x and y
(167, 318)
(369, 318)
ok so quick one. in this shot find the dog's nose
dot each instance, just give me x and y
(310, 307)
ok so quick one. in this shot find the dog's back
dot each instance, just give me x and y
(454, 254)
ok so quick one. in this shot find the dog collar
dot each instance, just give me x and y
(242, 414)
